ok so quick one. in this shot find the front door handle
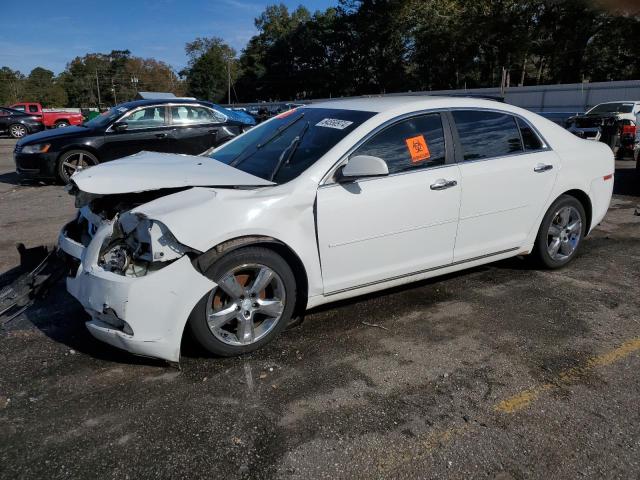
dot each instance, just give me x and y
(443, 184)
(161, 135)
(541, 167)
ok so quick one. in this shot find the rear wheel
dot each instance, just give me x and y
(72, 161)
(17, 130)
(561, 233)
(62, 124)
(251, 305)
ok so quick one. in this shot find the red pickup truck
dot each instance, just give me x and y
(50, 119)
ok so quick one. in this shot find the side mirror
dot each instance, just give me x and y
(362, 166)
(120, 126)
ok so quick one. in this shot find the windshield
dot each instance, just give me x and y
(283, 148)
(107, 117)
(612, 108)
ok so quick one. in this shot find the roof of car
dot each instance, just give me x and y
(158, 101)
(395, 102)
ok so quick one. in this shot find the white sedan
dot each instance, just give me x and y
(322, 203)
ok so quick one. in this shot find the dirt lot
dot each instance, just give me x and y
(499, 372)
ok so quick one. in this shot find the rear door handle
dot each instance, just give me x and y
(541, 167)
(443, 184)
(161, 135)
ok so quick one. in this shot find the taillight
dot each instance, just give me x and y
(629, 129)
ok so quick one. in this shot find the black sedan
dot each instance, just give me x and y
(171, 126)
(19, 124)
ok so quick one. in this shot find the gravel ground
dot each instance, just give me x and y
(498, 372)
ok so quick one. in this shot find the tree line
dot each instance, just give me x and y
(97, 79)
(376, 46)
(369, 47)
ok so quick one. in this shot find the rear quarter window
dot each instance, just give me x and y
(530, 138)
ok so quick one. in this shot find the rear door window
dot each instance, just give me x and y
(487, 134)
(411, 144)
(191, 115)
(33, 108)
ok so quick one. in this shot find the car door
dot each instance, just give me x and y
(195, 128)
(507, 174)
(378, 229)
(147, 129)
(5, 116)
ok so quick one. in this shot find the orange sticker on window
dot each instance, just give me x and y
(418, 148)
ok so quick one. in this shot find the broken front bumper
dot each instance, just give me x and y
(145, 315)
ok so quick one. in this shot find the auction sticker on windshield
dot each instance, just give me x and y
(334, 123)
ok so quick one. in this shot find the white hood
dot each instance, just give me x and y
(147, 171)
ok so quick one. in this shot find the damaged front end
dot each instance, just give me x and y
(132, 276)
(134, 245)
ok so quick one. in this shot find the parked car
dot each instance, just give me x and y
(18, 124)
(234, 114)
(50, 118)
(183, 126)
(320, 204)
(613, 123)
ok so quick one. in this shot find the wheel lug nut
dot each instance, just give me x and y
(255, 305)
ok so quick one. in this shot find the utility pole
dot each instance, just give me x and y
(98, 86)
(229, 80)
(113, 89)
(134, 81)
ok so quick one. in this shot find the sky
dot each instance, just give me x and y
(51, 33)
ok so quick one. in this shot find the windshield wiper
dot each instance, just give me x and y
(276, 134)
(287, 153)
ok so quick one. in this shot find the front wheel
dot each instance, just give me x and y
(72, 161)
(561, 232)
(17, 130)
(252, 303)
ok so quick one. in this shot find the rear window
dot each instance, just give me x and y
(487, 134)
(282, 148)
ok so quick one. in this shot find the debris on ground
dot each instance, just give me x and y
(40, 267)
(375, 325)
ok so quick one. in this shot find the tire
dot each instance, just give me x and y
(18, 130)
(564, 226)
(62, 124)
(73, 160)
(232, 319)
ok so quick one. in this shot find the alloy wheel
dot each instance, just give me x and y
(246, 305)
(18, 131)
(564, 233)
(74, 162)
